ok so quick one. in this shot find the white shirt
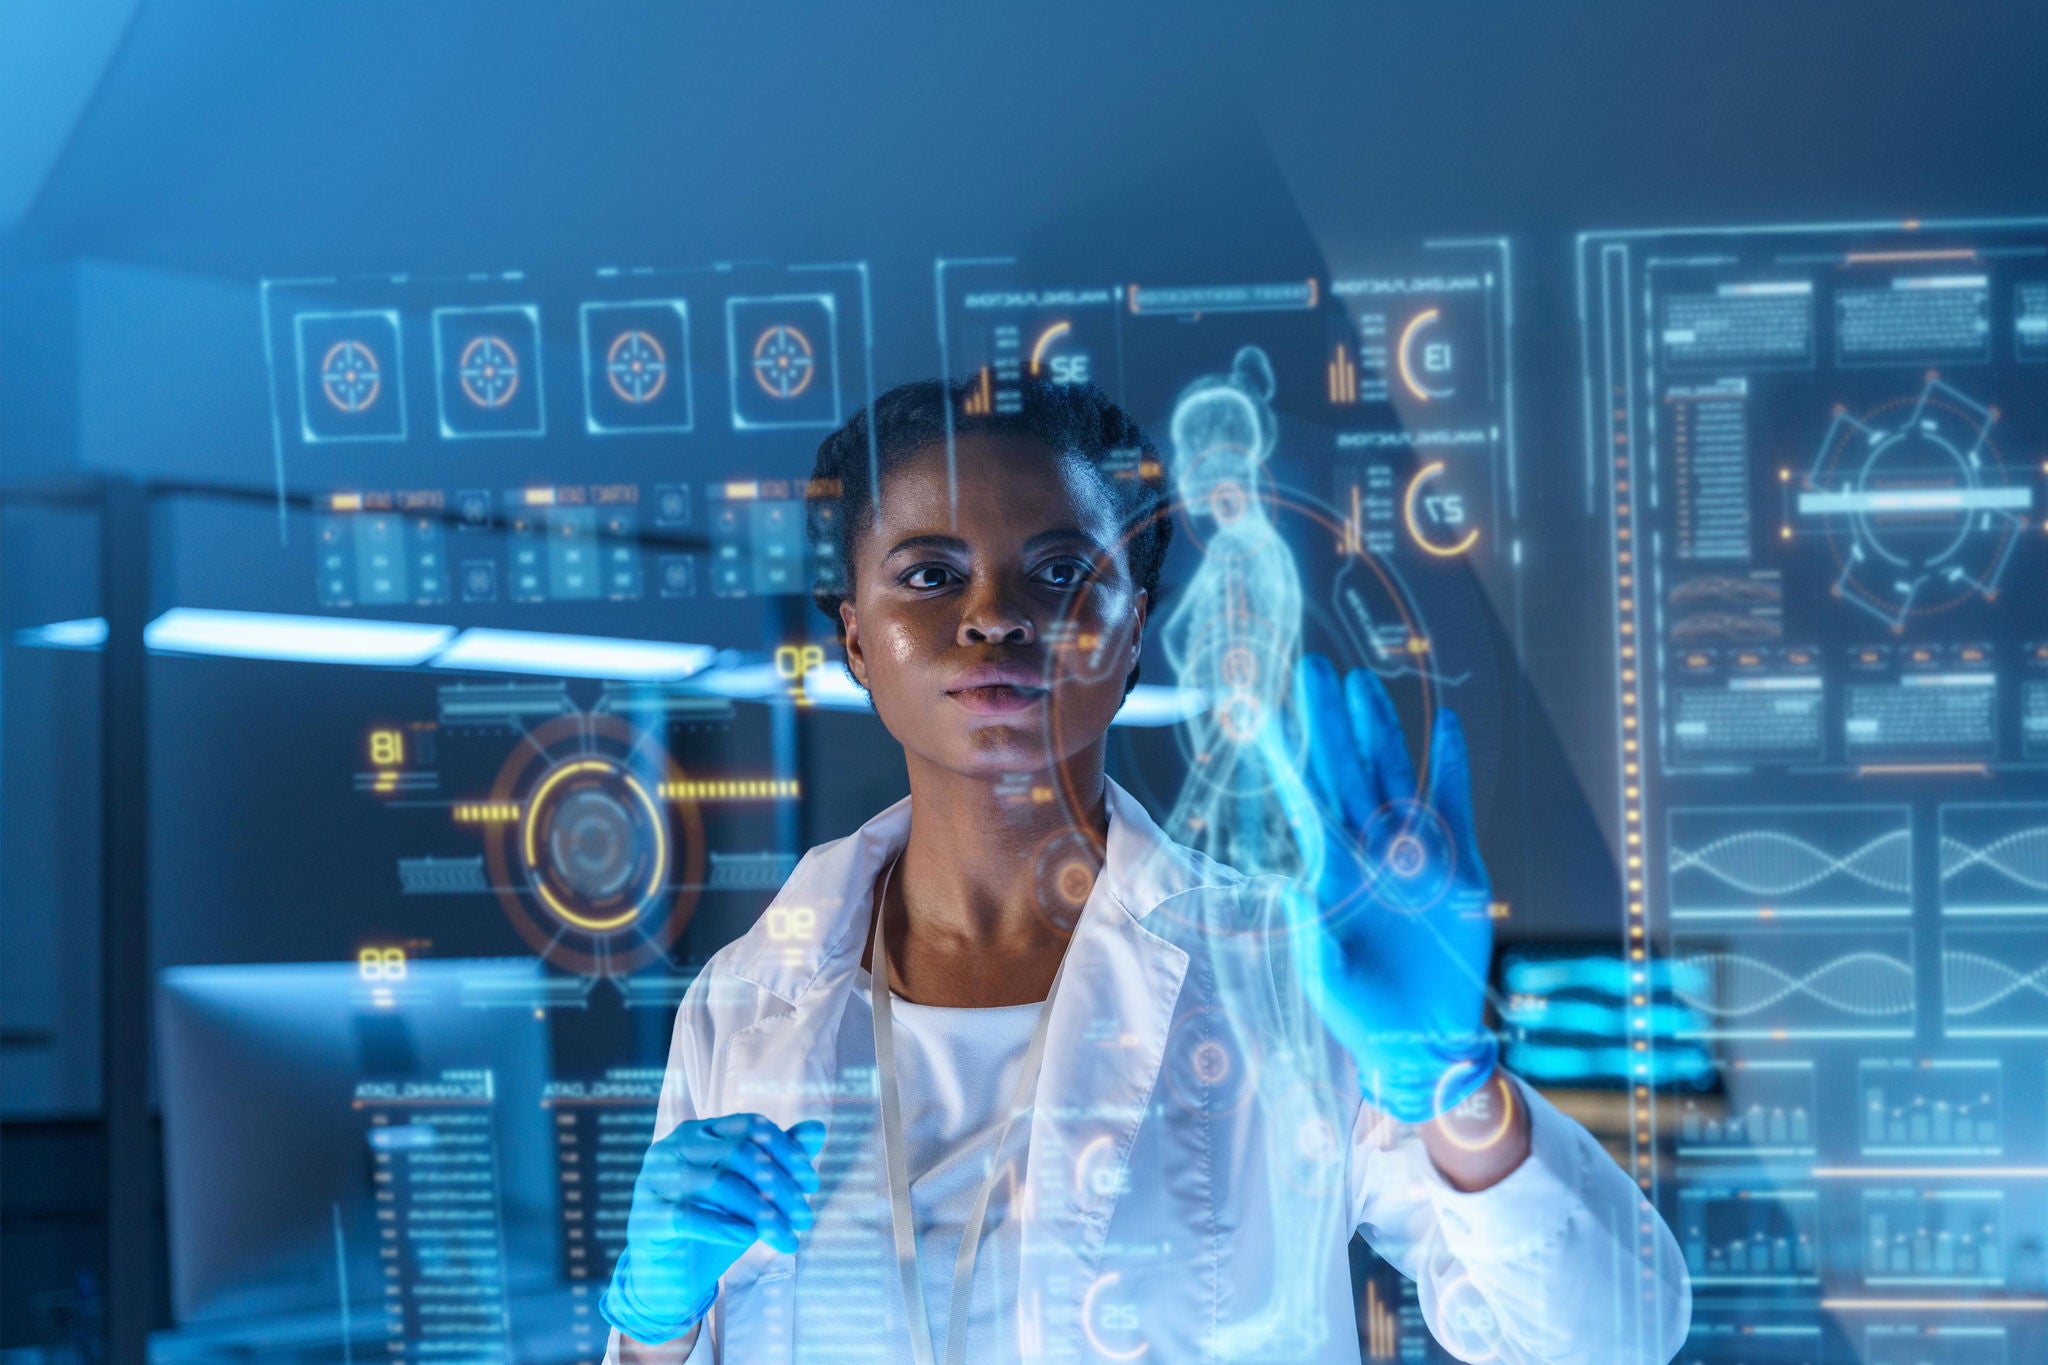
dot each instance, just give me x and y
(956, 1075)
(1192, 1188)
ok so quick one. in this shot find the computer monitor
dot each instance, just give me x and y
(321, 1122)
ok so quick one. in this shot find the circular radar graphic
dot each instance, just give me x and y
(599, 871)
(783, 361)
(350, 376)
(489, 371)
(1917, 509)
(636, 367)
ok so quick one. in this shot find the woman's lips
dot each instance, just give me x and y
(998, 699)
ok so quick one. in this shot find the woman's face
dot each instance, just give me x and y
(995, 629)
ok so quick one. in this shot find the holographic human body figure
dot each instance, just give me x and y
(1234, 636)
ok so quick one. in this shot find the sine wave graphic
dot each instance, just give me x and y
(1869, 984)
(1770, 862)
(2021, 856)
(1974, 982)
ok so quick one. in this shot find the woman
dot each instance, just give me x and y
(1009, 1075)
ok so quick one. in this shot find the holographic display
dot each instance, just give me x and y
(1818, 453)
(1341, 452)
(576, 816)
(431, 423)
(1377, 405)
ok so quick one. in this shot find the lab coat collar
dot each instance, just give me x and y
(830, 892)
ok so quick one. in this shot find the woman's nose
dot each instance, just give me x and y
(989, 617)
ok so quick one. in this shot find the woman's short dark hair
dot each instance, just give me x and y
(1075, 420)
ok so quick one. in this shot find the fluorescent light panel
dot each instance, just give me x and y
(300, 639)
(86, 633)
(574, 656)
(340, 639)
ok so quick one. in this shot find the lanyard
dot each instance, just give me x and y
(896, 1162)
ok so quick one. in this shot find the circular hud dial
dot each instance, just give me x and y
(1915, 504)
(600, 871)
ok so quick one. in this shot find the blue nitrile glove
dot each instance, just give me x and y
(1398, 969)
(707, 1192)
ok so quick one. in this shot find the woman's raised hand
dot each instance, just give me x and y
(707, 1191)
(1402, 900)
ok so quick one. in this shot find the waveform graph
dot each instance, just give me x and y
(1797, 983)
(1994, 982)
(1732, 863)
(1994, 860)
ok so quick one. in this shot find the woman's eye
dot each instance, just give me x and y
(1065, 573)
(927, 576)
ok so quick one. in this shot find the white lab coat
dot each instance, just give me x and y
(1162, 1219)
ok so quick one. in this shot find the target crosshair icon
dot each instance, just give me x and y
(783, 361)
(489, 371)
(350, 376)
(636, 366)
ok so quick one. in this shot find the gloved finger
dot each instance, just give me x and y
(1377, 727)
(1450, 793)
(754, 1162)
(1335, 766)
(732, 1193)
(810, 1135)
(788, 1153)
(730, 1127)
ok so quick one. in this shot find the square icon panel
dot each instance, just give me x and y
(678, 575)
(671, 504)
(636, 366)
(783, 354)
(472, 509)
(488, 365)
(351, 376)
(479, 579)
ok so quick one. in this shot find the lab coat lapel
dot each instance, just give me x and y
(796, 964)
(1105, 1044)
(803, 952)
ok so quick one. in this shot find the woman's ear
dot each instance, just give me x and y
(1142, 610)
(849, 640)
